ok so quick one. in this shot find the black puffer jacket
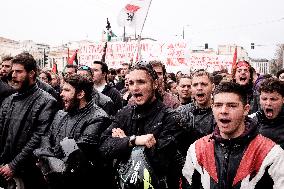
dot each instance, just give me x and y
(104, 102)
(273, 129)
(5, 90)
(154, 118)
(196, 123)
(115, 96)
(24, 117)
(48, 88)
(85, 127)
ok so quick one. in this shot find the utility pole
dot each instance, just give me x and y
(183, 32)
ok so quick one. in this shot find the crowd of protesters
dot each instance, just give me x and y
(205, 130)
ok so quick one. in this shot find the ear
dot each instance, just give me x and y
(32, 74)
(80, 94)
(247, 109)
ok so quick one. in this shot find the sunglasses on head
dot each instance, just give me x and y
(85, 68)
(148, 66)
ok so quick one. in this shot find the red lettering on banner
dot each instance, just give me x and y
(173, 54)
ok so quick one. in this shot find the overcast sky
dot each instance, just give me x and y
(214, 22)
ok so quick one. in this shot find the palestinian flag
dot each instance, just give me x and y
(74, 59)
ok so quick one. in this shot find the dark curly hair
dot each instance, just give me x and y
(147, 66)
(81, 83)
(279, 73)
(27, 60)
(7, 58)
(231, 87)
(271, 85)
(48, 75)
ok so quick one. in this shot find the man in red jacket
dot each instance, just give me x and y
(235, 156)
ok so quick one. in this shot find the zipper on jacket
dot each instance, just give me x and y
(227, 149)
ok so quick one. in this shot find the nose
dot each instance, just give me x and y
(268, 102)
(198, 87)
(134, 86)
(224, 109)
(14, 74)
(187, 88)
(62, 94)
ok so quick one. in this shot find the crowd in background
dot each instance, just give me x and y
(105, 112)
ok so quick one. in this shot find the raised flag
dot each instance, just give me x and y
(74, 59)
(235, 58)
(54, 67)
(134, 13)
(109, 32)
(234, 64)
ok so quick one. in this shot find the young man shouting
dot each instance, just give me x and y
(235, 156)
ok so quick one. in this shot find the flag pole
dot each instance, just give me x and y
(139, 36)
(145, 17)
(108, 27)
(124, 34)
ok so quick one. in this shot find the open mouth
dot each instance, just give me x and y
(15, 83)
(243, 78)
(269, 112)
(225, 121)
(200, 95)
(136, 95)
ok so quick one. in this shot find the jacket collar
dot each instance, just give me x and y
(28, 92)
(82, 110)
(147, 109)
(200, 111)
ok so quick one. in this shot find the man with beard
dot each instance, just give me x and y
(5, 91)
(184, 89)
(99, 98)
(197, 117)
(235, 156)
(24, 116)
(6, 67)
(271, 115)
(148, 123)
(82, 122)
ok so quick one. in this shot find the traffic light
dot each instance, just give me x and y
(252, 45)
(45, 57)
(206, 46)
